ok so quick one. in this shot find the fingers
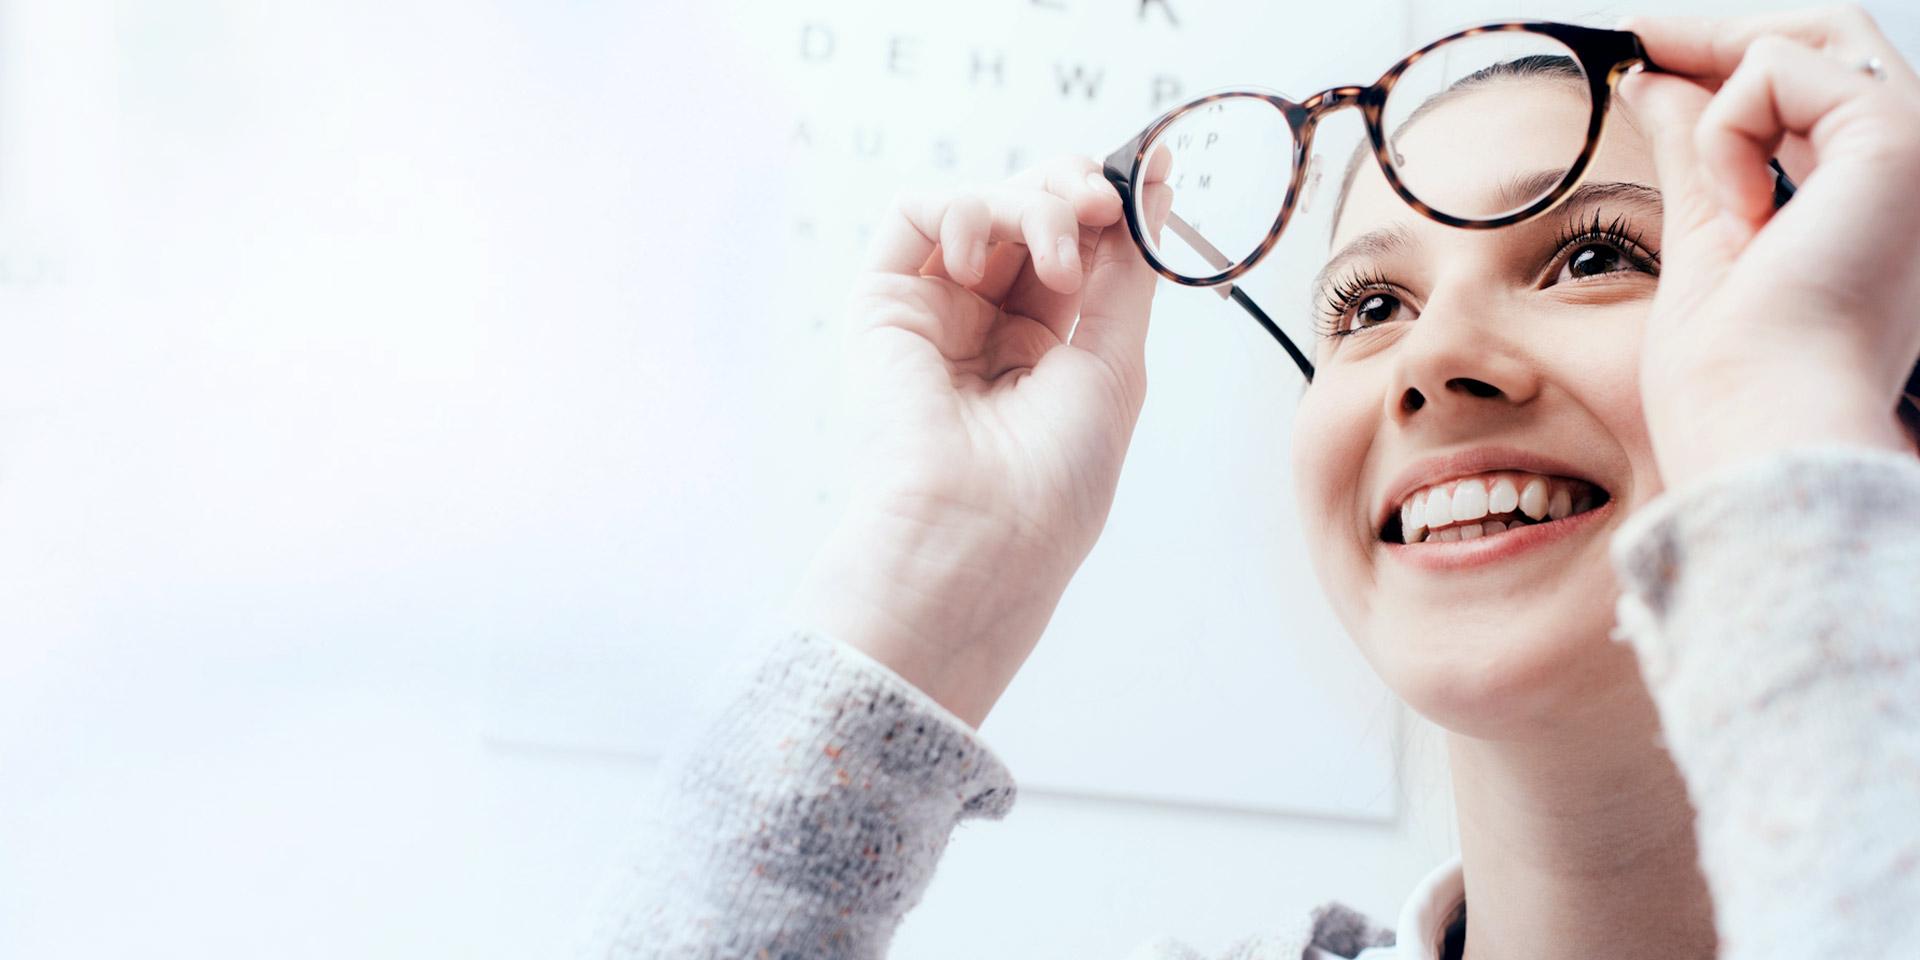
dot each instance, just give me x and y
(960, 226)
(1781, 87)
(1694, 241)
(1712, 47)
(1042, 208)
(963, 239)
(1006, 265)
(1055, 310)
(1078, 180)
(1113, 314)
(1670, 108)
(954, 321)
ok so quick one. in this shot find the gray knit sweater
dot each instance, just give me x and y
(1775, 610)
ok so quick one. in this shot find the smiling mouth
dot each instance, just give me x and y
(1489, 505)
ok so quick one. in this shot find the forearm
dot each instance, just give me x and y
(1775, 609)
(807, 817)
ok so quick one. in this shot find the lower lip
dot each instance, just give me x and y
(1463, 554)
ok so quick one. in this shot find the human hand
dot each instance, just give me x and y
(993, 426)
(1774, 329)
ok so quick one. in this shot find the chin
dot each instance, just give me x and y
(1516, 667)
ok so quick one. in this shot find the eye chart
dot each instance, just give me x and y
(1196, 613)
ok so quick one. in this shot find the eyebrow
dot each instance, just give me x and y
(1389, 240)
(1367, 246)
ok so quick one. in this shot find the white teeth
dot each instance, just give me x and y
(1469, 500)
(1561, 505)
(1533, 499)
(1457, 510)
(1503, 496)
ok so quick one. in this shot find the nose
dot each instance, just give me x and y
(1460, 361)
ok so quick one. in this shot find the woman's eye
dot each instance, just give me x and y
(1592, 260)
(1375, 308)
(1362, 303)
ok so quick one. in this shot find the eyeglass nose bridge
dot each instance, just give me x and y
(1306, 117)
(1333, 98)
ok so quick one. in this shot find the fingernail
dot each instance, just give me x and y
(1069, 251)
(1098, 183)
(977, 261)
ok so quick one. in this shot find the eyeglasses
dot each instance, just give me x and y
(1209, 185)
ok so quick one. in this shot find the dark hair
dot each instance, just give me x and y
(1549, 65)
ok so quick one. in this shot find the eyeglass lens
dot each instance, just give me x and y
(1216, 178)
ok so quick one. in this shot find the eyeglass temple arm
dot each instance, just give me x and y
(1185, 231)
(1299, 359)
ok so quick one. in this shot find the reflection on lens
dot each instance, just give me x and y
(1483, 126)
(1213, 184)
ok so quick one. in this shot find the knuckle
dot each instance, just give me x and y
(1766, 52)
(911, 311)
(969, 206)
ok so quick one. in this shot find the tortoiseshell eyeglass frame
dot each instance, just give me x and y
(1604, 55)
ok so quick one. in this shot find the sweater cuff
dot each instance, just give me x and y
(808, 814)
(867, 719)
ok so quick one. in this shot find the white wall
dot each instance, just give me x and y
(283, 344)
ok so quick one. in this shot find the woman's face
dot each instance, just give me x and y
(1466, 360)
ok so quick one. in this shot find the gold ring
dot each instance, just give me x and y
(1872, 67)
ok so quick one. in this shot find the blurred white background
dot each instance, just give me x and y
(400, 401)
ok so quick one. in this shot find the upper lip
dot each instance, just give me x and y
(1466, 463)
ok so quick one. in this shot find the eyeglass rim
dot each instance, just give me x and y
(1604, 56)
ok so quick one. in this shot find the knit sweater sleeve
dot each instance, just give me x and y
(803, 818)
(1775, 611)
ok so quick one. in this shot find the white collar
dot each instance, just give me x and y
(1423, 919)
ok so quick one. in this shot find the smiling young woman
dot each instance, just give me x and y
(1662, 413)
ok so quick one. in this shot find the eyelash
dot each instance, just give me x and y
(1615, 232)
(1346, 293)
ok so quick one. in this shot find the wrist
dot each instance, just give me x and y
(1714, 419)
(954, 607)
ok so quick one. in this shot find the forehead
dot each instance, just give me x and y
(1461, 154)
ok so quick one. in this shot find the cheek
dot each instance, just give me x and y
(1333, 430)
(1603, 373)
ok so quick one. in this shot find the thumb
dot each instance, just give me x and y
(1695, 235)
(1118, 297)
